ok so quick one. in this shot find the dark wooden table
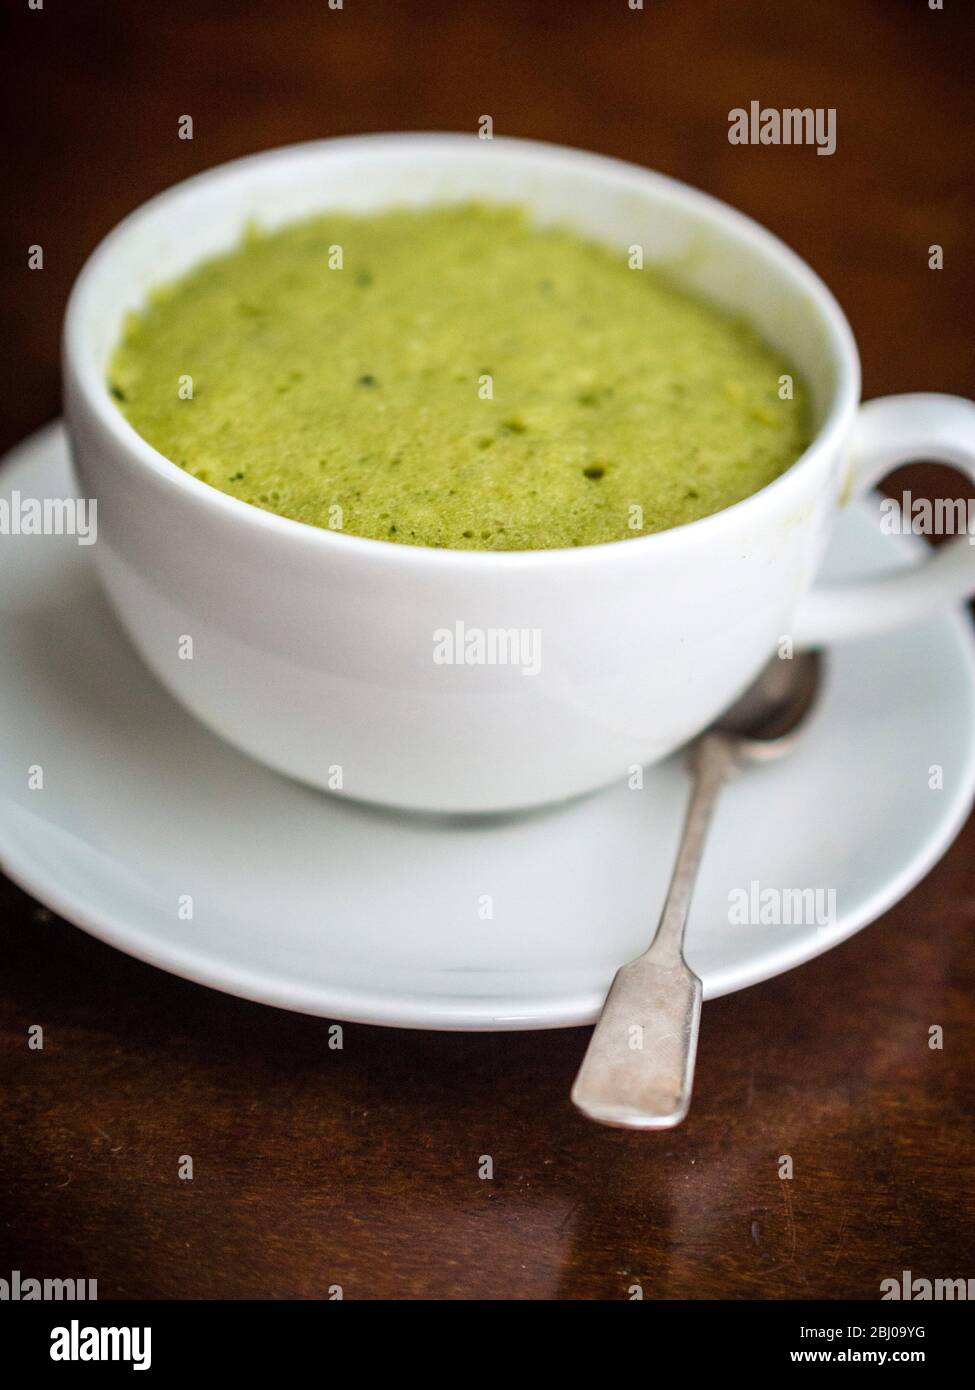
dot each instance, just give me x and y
(359, 1167)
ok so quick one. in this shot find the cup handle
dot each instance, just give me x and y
(891, 431)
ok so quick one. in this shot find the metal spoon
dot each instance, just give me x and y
(639, 1067)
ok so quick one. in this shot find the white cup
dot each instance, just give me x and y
(322, 653)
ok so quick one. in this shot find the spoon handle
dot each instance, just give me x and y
(639, 1067)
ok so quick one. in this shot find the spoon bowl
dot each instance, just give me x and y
(771, 712)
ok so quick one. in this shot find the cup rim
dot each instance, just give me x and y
(80, 366)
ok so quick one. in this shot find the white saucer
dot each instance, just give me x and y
(329, 907)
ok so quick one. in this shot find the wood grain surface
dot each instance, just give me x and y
(359, 1167)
